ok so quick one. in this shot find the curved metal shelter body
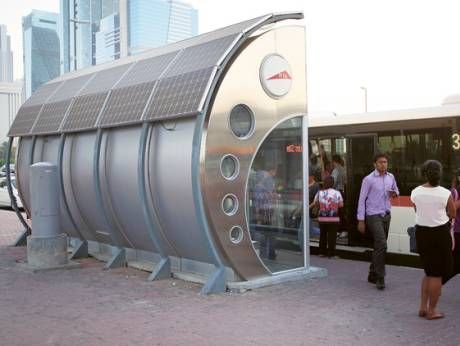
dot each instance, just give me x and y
(140, 142)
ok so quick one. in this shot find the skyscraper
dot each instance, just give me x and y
(108, 39)
(79, 22)
(41, 49)
(11, 98)
(6, 56)
(96, 31)
(152, 23)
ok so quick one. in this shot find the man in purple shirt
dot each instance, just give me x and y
(374, 212)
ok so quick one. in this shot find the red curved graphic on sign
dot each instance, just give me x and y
(281, 75)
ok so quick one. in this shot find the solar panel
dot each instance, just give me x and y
(70, 88)
(50, 117)
(84, 112)
(201, 56)
(126, 105)
(147, 70)
(104, 80)
(179, 95)
(42, 93)
(24, 120)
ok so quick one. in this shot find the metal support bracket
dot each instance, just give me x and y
(162, 270)
(22, 239)
(118, 260)
(216, 282)
(81, 250)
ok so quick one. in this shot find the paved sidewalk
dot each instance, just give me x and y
(10, 227)
(90, 306)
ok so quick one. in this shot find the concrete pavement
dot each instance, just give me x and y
(90, 306)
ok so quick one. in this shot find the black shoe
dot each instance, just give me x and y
(380, 283)
(372, 278)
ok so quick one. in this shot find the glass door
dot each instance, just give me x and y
(275, 198)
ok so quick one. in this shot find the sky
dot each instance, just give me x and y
(406, 53)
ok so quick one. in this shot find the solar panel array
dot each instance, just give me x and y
(50, 117)
(84, 112)
(24, 120)
(168, 85)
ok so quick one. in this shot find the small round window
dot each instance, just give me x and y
(229, 167)
(236, 234)
(241, 121)
(230, 204)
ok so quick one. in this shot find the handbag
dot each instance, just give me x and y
(412, 240)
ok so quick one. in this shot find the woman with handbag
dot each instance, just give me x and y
(434, 208)
(329, 201)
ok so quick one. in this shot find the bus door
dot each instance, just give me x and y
(362, 149)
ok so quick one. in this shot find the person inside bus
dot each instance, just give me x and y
(340, 177)
(374, 206)
(329, 201)
(434, 208)
(315, 167)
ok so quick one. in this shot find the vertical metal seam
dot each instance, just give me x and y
(97, 187)
(61, 185)
(108, 200)
(149, 218)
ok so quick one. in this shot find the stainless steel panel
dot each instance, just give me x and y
(83, 186)
(122, 179)
(241, 85)
(69, 187)
(171, 188)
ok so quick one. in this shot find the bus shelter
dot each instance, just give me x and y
(189, 154)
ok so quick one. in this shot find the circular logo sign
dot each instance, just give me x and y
(275, 75)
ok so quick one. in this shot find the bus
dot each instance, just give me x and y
(409, 138)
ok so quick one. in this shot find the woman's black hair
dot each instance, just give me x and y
(432, 170)
(328, 182)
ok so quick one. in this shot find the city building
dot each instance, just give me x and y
(41, 49)
(11, 98)
(97, 31)
(152, 23)
(108, 39)
(79, 23)
(6, 56)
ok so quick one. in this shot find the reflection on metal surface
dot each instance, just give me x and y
(181, 134)
(241, 86)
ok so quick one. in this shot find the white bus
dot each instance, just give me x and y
(408, 137)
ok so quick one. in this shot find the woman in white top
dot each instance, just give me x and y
(329, 201)
(434, 208)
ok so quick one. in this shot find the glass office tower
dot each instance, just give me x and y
(152, 23)
(41, 49)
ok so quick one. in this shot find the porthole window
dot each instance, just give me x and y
(236, 234)
(230, 204)
(241, 121)
(229, 167)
